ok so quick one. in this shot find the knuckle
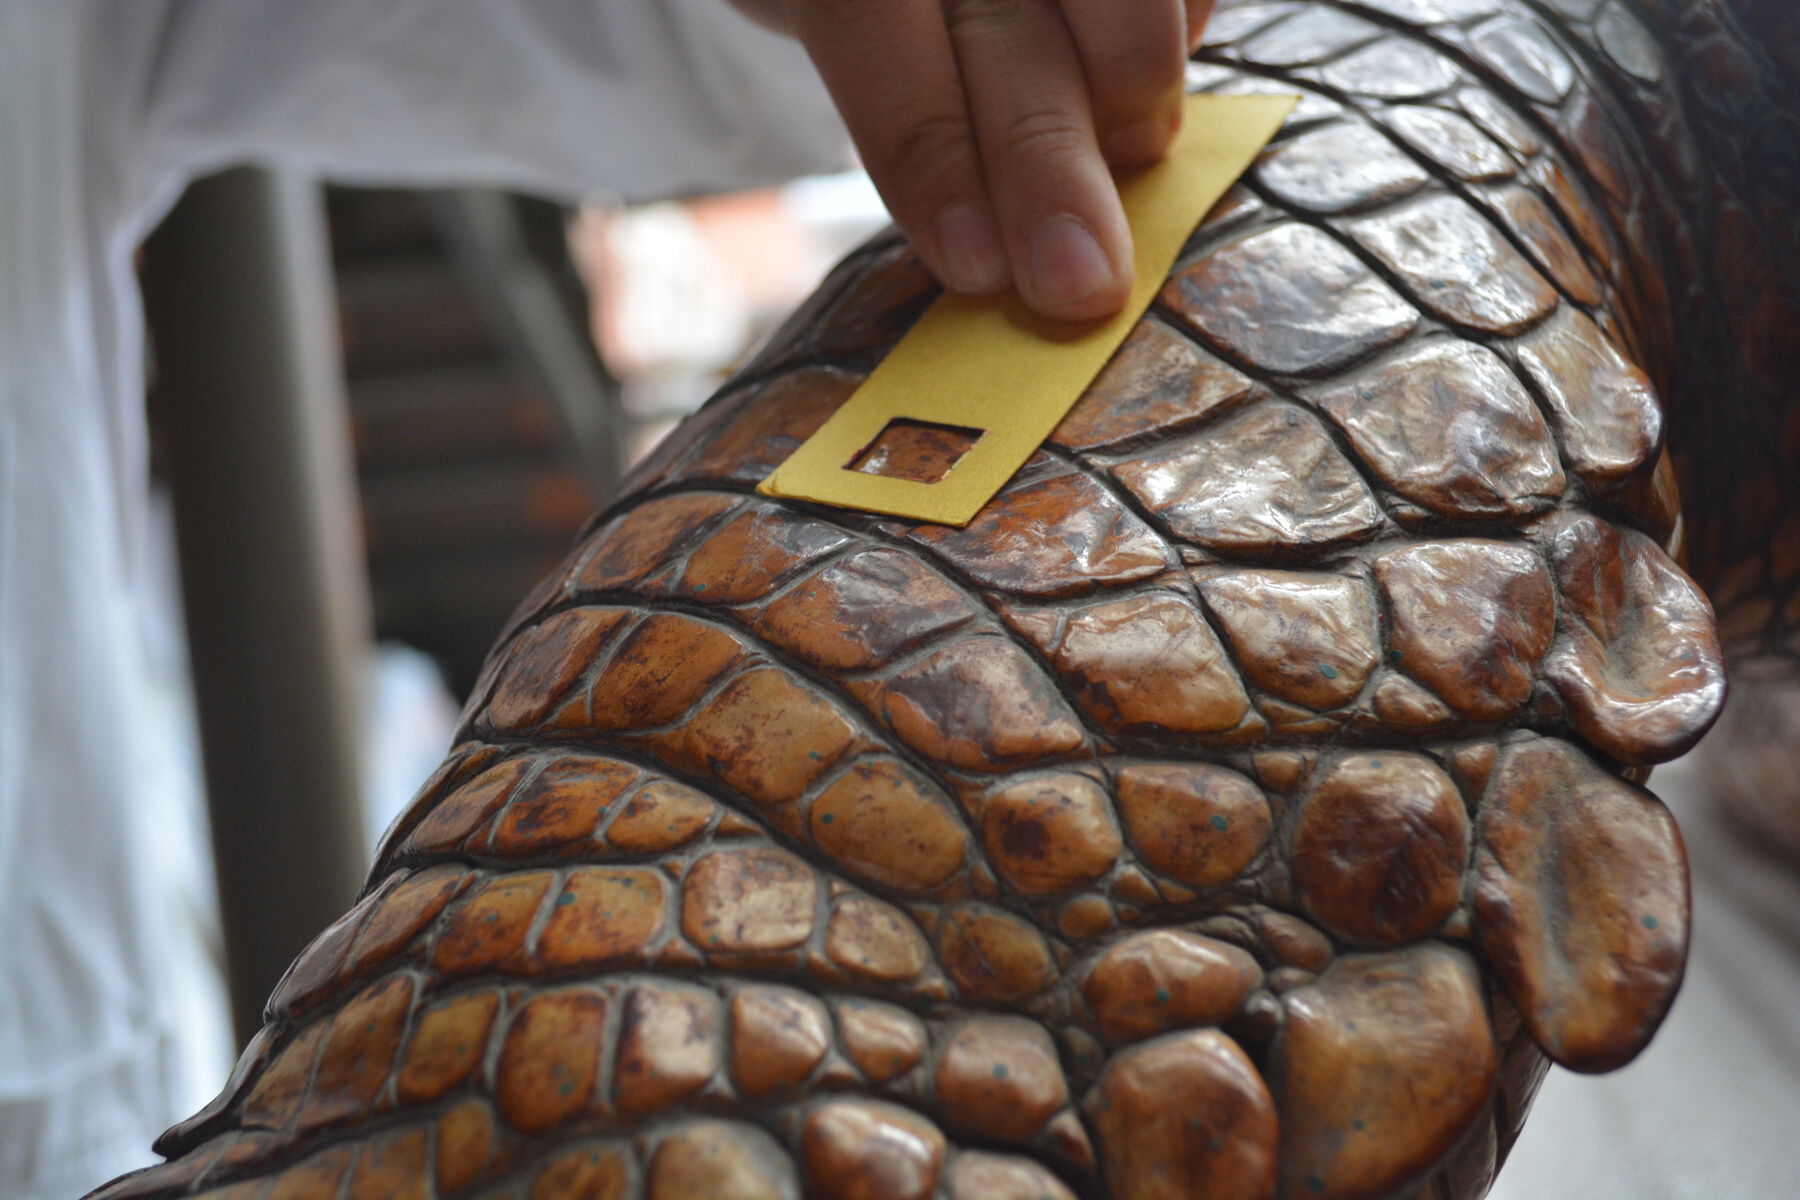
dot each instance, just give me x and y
(935, 146)
(1136, 78)
(982, 16)
(1044, 135)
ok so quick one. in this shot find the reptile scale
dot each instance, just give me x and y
(1246, 804)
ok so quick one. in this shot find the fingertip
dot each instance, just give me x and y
(1071, 276)
(971, 255)
(1198, 13)
(1136, 145)
(1142, 143)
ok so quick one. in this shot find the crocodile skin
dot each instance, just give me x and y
(1245, 804)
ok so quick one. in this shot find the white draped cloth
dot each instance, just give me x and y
(107, 109)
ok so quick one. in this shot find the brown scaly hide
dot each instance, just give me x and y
(1242, 806)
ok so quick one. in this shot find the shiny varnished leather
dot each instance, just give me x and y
(1241, 806)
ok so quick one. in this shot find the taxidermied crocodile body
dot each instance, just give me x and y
(1245, 804)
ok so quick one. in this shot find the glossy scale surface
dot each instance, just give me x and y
(1245, 805)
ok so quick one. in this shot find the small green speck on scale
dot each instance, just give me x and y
(999, 1070)
(565, 899)
(1315, 1183)
(827, 818)
(813, 754)
(1651, 922)
(1327, 670)
(1220, 823)
(1162, 995)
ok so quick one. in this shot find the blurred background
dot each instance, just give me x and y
(453, 383)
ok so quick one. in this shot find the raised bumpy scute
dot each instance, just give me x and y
(1471, 620)
(727, 1159)
(1581, 903)
(1379, 1068)
(890, 826)
(858, 1150)
(1268, 478)
(1050, 834)
(1179, 679)
(999, 1079)
(1186, 1115)
(1290, 300)
(1637, 662)
(1310, 639)
(1448, 427)
(1198, 824)
(1380, 846)
(1166, 980)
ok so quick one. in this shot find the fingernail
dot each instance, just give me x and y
(1067, 264)
(974, 260)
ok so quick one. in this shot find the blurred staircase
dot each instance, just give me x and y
(486, 428)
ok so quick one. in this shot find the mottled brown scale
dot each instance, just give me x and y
(1185, 1115)
(1200, 825)
(1166, 980)
(1380, 1066)
(1379, 847)
(777, 1038)
(1448, 427)
(861, 1150)
(1268, 479)
(1237, 805)
(998, 1079)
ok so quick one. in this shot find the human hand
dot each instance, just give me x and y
(989, 127)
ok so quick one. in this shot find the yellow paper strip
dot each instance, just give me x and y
(991, 364)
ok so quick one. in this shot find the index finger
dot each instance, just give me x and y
(892, 72)
(1134, 56)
